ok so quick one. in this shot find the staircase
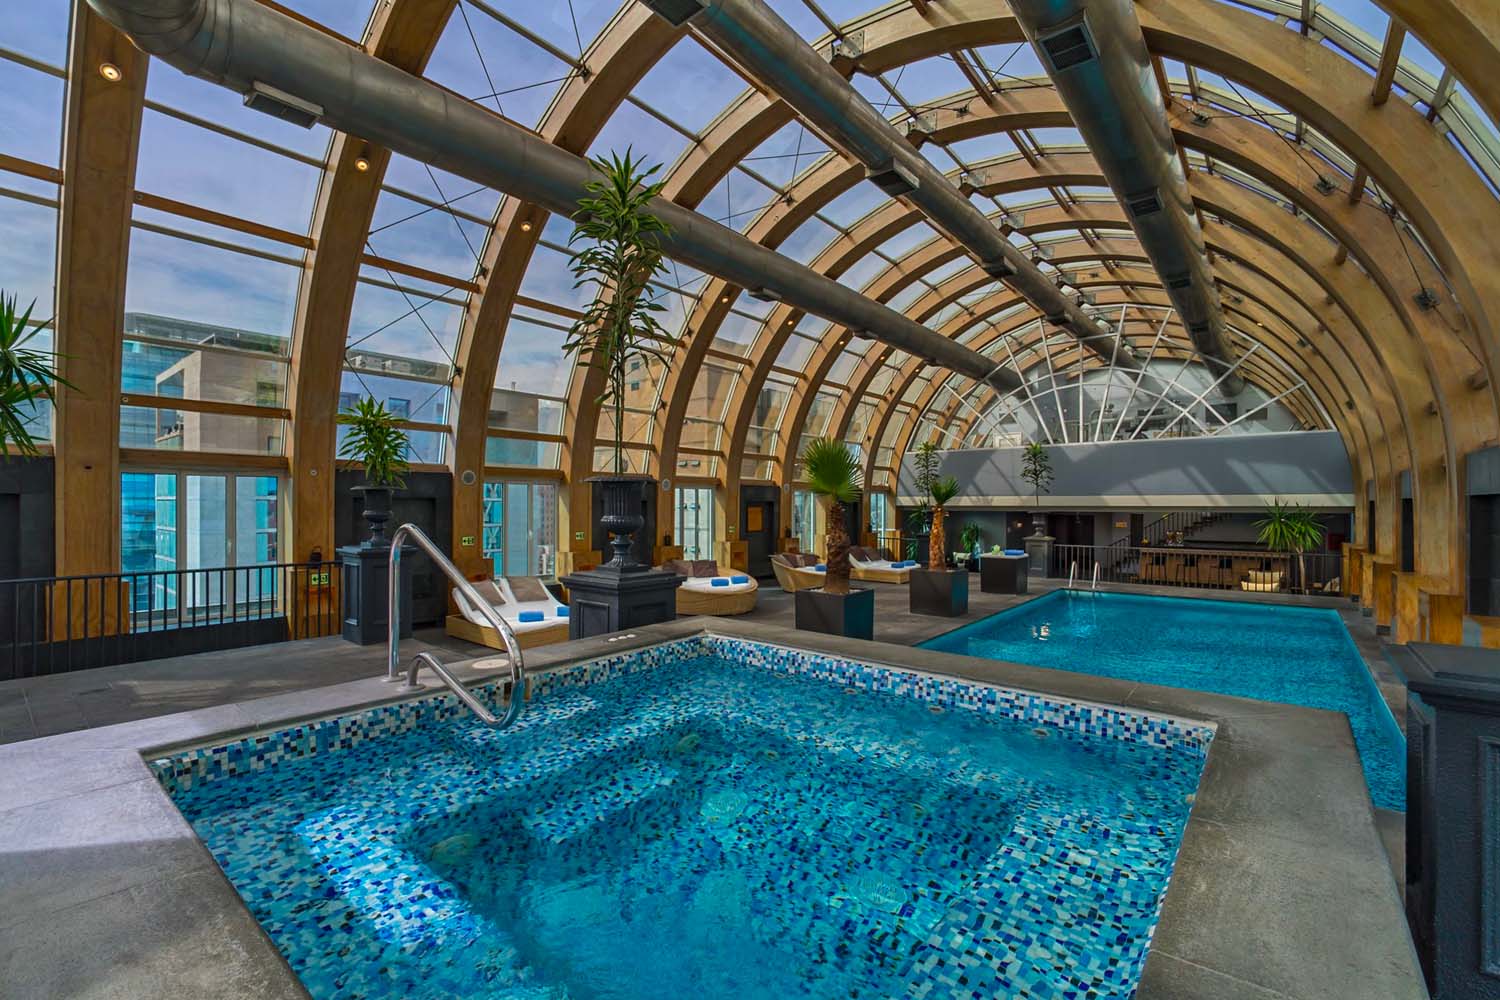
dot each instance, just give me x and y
(1188, 522)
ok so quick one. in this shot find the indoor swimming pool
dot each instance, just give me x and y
(1297, 655)
(711, 818)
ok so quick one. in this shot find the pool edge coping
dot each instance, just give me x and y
(1238, 751)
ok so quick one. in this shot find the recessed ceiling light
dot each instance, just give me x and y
(526, 226)
(361, 163)
(110, 72)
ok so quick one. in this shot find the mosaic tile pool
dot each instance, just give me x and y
(710, 818)
(1300, 656)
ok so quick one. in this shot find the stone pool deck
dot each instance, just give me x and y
(1281, 888)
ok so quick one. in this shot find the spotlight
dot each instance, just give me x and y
(526, 226)
(110, 72)
(361, 163)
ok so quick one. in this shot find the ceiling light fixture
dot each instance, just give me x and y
(526, 226)
(110, 72)
(362, 163)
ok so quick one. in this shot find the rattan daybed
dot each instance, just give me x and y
(796, 571)
(698, 594)
(471, 626)
(876, 566)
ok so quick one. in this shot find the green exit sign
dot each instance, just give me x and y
(467, 540)
(577, 536)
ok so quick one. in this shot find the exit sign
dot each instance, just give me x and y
(467, 540)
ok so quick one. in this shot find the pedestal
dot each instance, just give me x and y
(1039, 552)
(942, 593)
(1000, 574)
(1453, 797)
(604, 600)
(851, 615)
(366, 608)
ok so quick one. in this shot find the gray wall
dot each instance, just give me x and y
(1309, 467)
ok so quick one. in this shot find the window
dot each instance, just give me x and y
(519, 532)
(695, 522)
(223, 524)
(804, 519)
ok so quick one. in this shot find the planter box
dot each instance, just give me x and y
(945, 593)
(851, 615)
(1003, 574)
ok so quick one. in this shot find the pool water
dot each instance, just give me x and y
(1300, 656)
(710, 829)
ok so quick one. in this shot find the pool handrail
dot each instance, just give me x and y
(495, 620)
(1095, 585)
(1071, 570)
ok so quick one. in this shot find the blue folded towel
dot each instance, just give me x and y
(739, 579)
(530, 616)
(905, 564)
(1015, 552)
(562, 611)
(719, 581)
(821, 567)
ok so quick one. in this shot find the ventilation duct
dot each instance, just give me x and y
(1097, 58)
(751, 35)
(253, 49)
(279, 104)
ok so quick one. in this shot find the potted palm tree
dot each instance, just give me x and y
(377, 442)
(1291, 528)
(1036, 472)
(618, 254)
(28, 380)
(937, 590)
(833, 473)
(925, 460)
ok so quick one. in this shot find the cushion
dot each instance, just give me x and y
(679, 566)
(562, 611)
(739, 579)
(859, 552)
(492, 592)
(719, 581)
(705, 568)
(530, 616)
(810, 559)
(1015, 552)
(821, 567)
(886, 554)
(526, 589)
(783, 559)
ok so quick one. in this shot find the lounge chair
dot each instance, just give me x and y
(707, 591)
(535, 621)
(1262, 581)
(877, 566)
(797, 571)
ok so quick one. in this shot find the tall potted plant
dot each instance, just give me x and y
(376, 441)
(925, 460)
(1291, 528)
(833, 473)
(617, 254)
(1036, 472)
(27, 378)
(937, 590)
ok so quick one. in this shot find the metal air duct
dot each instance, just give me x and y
(300, 73)
(1097, 58)
(769, 49)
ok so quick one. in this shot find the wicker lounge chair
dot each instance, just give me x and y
(796, 571)
(471, 626)
(876, 566)
(699, 595)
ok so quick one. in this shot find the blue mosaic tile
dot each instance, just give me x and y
(709, 818)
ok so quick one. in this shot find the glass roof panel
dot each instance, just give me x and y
(348, 17)
(562, 24)
(175, 277)
(633, 127)
(167, 85)
(405, 324)
(790, 150)
(37, 28)
(32, 105)
(690, 85)
(495, 66)
(529, 359)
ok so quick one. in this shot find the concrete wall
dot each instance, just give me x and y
(1231, 472)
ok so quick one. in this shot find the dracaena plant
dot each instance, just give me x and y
(617, 255)
(376, 440)
(833, 472)
(28, 376)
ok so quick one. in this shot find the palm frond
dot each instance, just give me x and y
(833, 470)
(943, 490)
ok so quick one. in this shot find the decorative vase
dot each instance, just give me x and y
(621, 499)
(377, 511)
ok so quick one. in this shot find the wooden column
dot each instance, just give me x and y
(1445, 618)
(1384, 604)
(1351, 573)
(101, 134)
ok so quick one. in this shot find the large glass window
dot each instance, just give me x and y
(694, 525)
(520, 528)
(804, 519)
(175, 522)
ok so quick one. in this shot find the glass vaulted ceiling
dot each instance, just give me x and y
(220, 236)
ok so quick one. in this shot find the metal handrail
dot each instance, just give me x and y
(1095, 585)
(496, 621)
(1072, 570)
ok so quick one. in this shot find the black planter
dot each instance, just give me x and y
(943, 593)
(1000, 574)
(621, 517)
(377, 511)
(851, 615)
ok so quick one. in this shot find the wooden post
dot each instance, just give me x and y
(1407, 626)
(1445, 619)
(1384, 583)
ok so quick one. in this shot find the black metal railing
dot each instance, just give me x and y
(1212, 569)
(57, 624)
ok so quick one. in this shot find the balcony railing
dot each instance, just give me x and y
(54, 625)
(1213, 569)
